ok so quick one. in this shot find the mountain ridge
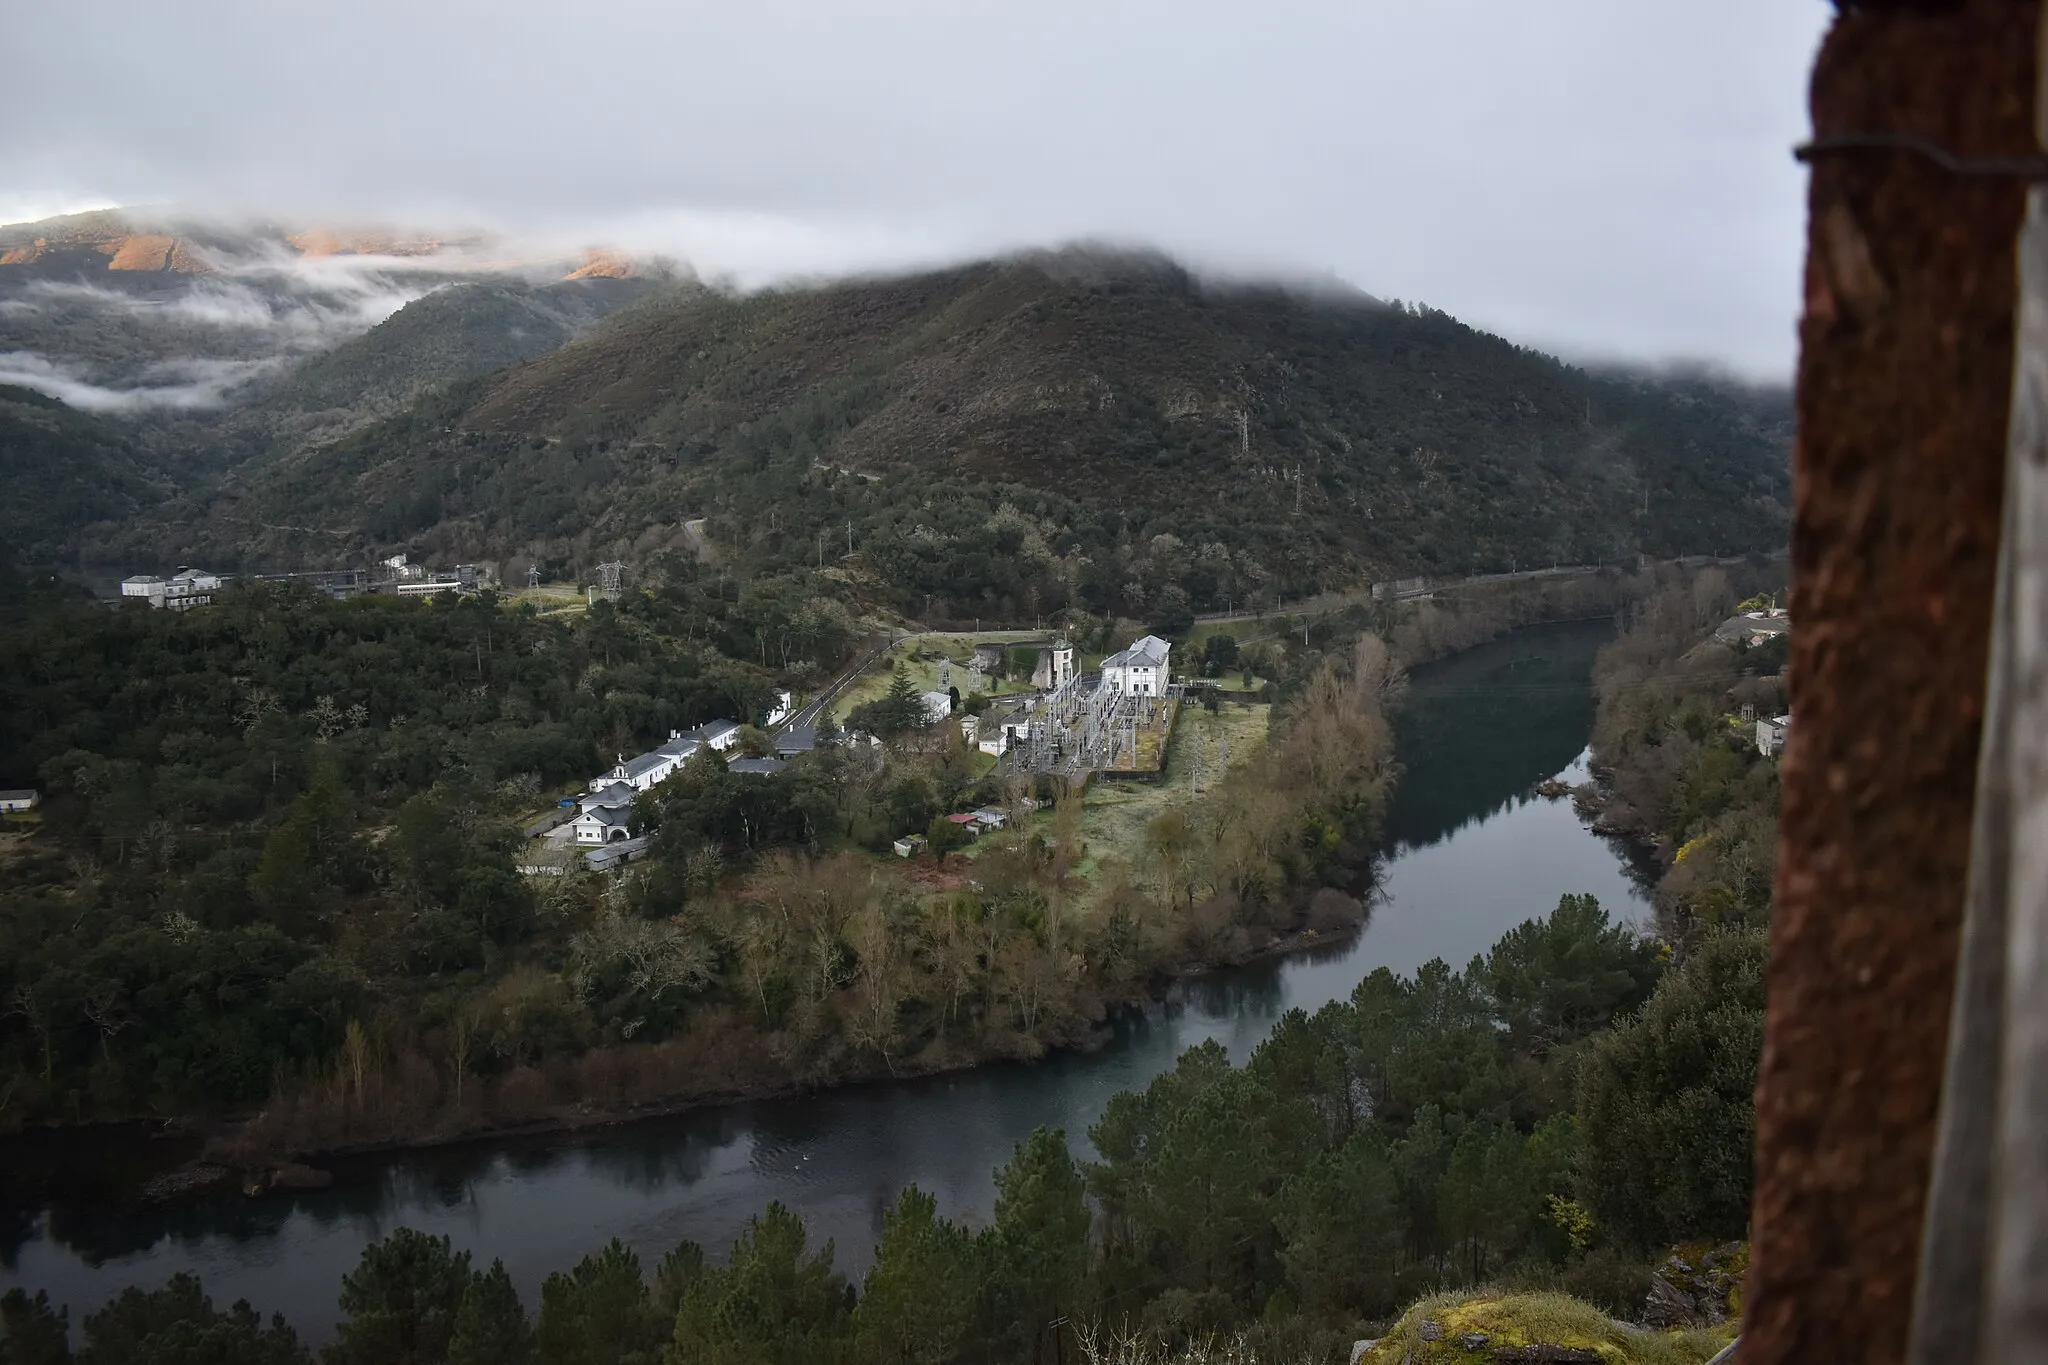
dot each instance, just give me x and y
(1289, 439)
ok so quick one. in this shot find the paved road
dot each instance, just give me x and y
(808, 714)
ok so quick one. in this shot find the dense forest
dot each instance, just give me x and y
(62, 470)
(1551, 1116)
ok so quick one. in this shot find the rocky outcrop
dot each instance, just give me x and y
(1698, 1287)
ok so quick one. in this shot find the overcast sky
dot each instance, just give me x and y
(1605, 177)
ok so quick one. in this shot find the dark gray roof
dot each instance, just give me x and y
(797, 739)
(646, 763)
(608, 815)
(625, 849)
(762, 767)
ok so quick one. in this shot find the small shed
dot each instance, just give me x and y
(15, 802)
(910, 844)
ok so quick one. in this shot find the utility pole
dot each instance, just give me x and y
(1244, 433)
(849, 538)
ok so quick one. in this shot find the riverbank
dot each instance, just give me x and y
(285, 1148)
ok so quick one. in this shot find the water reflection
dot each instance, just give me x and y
(1488, 724)
(1473, 856)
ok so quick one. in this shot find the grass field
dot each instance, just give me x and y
(1114, 814)
(549, 597)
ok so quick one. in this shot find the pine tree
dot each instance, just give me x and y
(32, 1332)
(491, 1327)
(401, 1301)
(599, 1313)
(1039, 1238)
(919, 1301)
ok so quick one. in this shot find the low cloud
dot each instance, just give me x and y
(301, 309)
(184, 384)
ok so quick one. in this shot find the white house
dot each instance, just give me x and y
(719, 734)
(937, 705)
(1770, 735)
(643, 772)
(15, 802)
(784, 704)
(1139, 671)
(604, 825)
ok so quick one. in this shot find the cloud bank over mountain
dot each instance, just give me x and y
(1605, 177)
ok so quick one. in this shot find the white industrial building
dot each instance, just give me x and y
(183, 590)
(1139, 671)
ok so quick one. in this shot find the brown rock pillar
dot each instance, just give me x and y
(1904, 382)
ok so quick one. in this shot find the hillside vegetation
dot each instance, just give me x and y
(452, 334)
(1015, 437)
(62, 470)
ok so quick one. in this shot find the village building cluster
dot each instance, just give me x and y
(188, 587)
(604, 813)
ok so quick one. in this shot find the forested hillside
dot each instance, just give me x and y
(1016, 437)
(1681, 769)
(455, 333)
(62, 470)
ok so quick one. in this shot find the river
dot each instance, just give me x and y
(1471, 851)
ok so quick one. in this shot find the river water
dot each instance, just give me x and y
(1472, 853)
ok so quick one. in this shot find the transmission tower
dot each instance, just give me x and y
(533, 576)
(609, 578)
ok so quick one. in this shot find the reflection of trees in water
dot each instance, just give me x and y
(1254, 991)
(1480, 728)
(653, 1156)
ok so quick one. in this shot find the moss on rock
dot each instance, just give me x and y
(1493, 1329)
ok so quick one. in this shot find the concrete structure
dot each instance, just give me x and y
(1055, 665)
(183, 590)
(937, 705)
(1141, 670)
(15, 802)
(1770, 735)
(780, 711)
